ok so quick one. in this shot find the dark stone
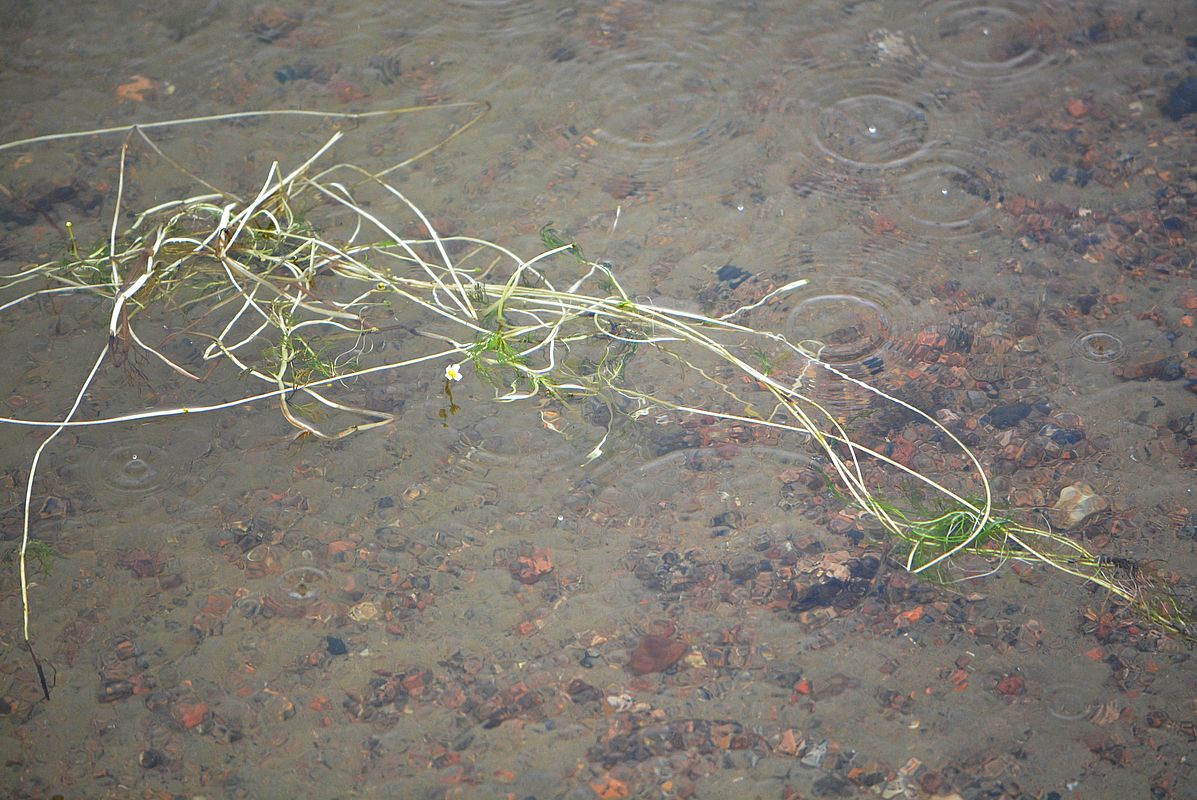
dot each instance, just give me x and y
(666, 441)
(1059, 174)
(30, 202)
(1068, 436)
(732, 275)
(115, 690)
(386, 690)
(1099, 33)
(17, 212)
(336, 646)
(589, 658)
(673, 573)
(871, 778)
(727, 519)
(830, 592)
(582, 692)
(742, 571)
(832, 785)
(1151, 366)
(1009, 416)
(864, 567)
(150, 758)
(1182, 99)
(818, 595)
(297, 72)
(787, 679)
(62, 193)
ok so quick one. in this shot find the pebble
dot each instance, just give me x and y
(655, 653)
(620, 702)
(1008, 416)
(815, 755)
(732, 275)
(947, 416)
(1151, 366)
(1066, 437)
(115, 690)
(1076, 504)
(365, 611)
(974, 398)
(1182, 99)
(590, 657)
(336, 646)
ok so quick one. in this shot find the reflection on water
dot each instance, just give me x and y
(871, 130)
(950, 195)
(982, 41)
(132, 468)
(1099, 346)
(996, 221)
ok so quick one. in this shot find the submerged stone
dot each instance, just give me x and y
(1182, 100)
(1076, 504)
(655, 653)
(732, 275)
(1009, 416)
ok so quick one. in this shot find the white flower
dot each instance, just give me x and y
(453, 372)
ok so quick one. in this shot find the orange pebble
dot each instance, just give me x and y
(340, 546)
(609, 788)
(191, 714)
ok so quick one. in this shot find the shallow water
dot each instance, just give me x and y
(991, 209)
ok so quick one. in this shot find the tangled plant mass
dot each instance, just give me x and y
(266, 286)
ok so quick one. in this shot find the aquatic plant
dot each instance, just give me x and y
(269, 290)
